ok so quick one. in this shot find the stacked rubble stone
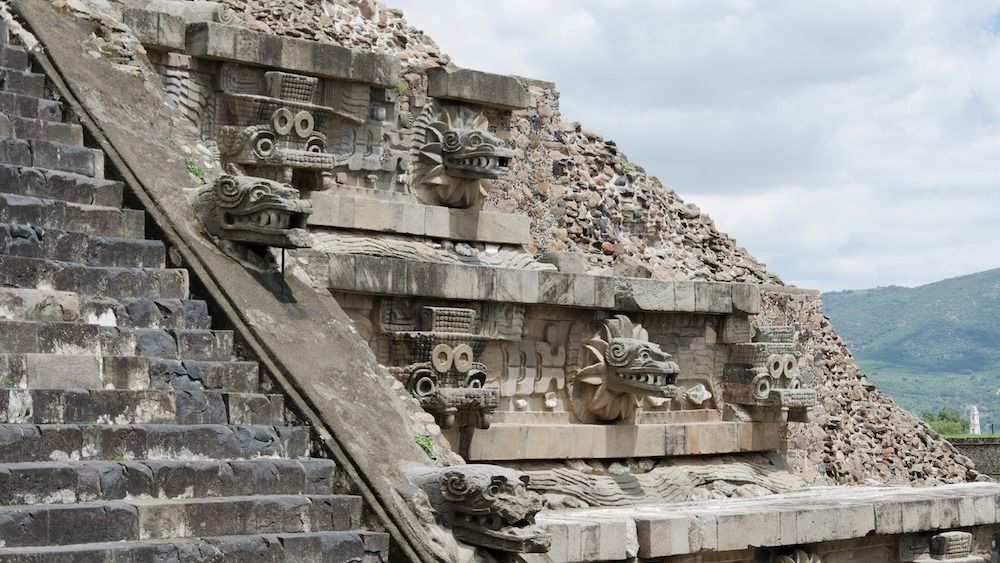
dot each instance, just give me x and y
(585, 196)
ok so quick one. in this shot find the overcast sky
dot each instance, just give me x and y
(847, 144)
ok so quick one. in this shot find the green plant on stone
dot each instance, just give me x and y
(7, 382)
(426, 443)
(402, 87)
(195, 169)
(627, 166)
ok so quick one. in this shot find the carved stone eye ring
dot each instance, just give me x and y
(282, 121)
(315, 144)
(258, 192)
(451, 141)
(475, 140)
(263, 145)
(304, 124)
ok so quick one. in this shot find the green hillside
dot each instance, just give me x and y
(928, 347)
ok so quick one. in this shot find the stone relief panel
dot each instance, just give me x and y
(435, 351)
(536, 364)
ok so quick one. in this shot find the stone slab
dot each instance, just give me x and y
(803, 517)
(509, 442)
(397, 276)
(473, 86)
(237, 44)
(156, 29)
(379, 215)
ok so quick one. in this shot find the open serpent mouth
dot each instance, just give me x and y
(483, 162)
(265, 219)
(655, 379)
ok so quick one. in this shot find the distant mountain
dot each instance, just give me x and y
(931, 346)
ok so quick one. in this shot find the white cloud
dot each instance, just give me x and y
(847, 144)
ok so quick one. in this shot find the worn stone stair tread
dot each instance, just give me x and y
(72, 217)
(14, 57)
(58, 482)
(22, 82)
(147, 406)
(57, 337)
(42, 129)
(83, 248)
(87, 371)
(30, 106)
(57, 156)
(41, 442)
(329, 547)
(135, 519)
(30, 304)
(60, 186)
(116, 283)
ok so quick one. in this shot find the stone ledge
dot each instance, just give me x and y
(240, 45)
(514, 442)
(803, 517)
(473, 86)
(381, 215)
(394, 276)
(156, 29)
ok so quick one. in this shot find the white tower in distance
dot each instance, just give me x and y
(974, 421)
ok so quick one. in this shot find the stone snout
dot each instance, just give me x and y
(245, 216)
(485, 506)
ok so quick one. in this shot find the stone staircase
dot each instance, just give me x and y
(128, 429)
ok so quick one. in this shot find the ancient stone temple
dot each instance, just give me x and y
(281, 283)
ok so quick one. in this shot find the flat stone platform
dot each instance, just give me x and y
(811, 516)
(510, 442)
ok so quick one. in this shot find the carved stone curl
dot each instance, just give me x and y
(456, 156)
(628, 369)
(244, 213)
(485, 505)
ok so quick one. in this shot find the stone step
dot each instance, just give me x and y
(149, 406)
(91, 442)
(57, 482)
(60, 186)
(28, 304)
(73, 371)
(56, 156)
(33, 128)
(144, 519)
(22, 82)
(329, 547)
(116, 283)
(89, 250)
(14, 58)
(52, 337)
(75, 217)
(31, 107)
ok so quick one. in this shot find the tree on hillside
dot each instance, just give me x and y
(947, 422)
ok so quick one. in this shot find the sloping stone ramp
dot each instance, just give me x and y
(128, 430)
